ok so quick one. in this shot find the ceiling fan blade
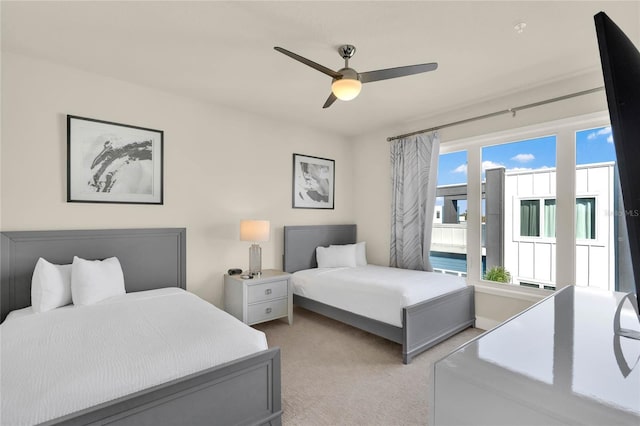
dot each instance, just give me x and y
(330, 100)
(369, 76)
(321, 68)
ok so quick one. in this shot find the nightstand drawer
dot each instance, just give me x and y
(262, 298)
(267, 291)
(267, 310)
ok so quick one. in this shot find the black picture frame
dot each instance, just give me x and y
(111, 162)
(313, 182)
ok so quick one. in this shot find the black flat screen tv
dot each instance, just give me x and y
(621, 70)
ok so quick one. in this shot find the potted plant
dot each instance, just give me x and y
(498, 274)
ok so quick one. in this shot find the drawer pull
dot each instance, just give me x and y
(267, 311)
(267, 291)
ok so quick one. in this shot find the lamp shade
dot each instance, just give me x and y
(254, 230)
(346, 89)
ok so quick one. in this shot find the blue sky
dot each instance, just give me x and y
(595, 146)
(592, 146)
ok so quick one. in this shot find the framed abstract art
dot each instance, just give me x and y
(113, 163)
(313, 182)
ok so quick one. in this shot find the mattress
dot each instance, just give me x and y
(75, 357)
(375, 292)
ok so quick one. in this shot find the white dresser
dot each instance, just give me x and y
(557, 363)
(259, 299)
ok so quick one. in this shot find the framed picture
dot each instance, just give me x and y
(313, 182)
(113, 163)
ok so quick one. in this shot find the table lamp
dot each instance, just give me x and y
(255, 231)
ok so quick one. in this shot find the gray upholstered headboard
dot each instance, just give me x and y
(300, 243)
(150, 258)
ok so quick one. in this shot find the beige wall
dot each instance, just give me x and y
(372, 171)
(220, 166)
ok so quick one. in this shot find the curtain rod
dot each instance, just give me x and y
(494, 114)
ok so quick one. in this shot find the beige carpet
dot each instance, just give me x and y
(334, 374)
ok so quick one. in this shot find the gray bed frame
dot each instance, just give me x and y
(246, 391)
(424, 324)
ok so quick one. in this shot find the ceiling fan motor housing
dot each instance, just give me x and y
(347, 51)
(348, 73)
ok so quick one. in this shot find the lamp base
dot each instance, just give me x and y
(255, 260)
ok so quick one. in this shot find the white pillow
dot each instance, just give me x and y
(336, 256)
(50, 286)
(361, 253)
(96, 280)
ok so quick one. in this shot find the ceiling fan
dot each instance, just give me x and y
(347, 82)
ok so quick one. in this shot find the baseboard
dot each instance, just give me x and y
(486, 323)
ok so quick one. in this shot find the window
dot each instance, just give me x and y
(599, 230)
(586, 218)
(530, 218)
(523, 217)
(449, 232)
(531, 221)
(550, 218)
(518, 177)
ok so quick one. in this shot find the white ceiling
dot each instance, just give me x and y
(222, 52)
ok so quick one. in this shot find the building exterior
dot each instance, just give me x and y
(519, 226)
(529, 226)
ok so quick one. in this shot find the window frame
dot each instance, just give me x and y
(516, 223)
(539, 223)
(543, 238)
(565, 133)
(596, 204)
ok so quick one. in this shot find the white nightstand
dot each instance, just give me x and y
(259, 299)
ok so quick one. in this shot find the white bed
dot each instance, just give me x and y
(155, 356)
(375, 292)
(71, 358)
(414, 308)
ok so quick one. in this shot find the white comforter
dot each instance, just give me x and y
(376, 292)
(61, 361)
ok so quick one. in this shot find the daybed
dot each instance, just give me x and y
(243, 389)
(419, 325)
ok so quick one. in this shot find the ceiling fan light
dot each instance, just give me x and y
(346, 89)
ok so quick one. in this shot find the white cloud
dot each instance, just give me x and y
(523, 158)
(605, 131)
(602, 132)
(490, 165)
(462, 168)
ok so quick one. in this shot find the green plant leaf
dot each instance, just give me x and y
(498, 274)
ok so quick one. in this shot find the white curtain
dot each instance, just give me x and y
(585, 221)
(414, 174)
(550, 218)
(530, 218)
